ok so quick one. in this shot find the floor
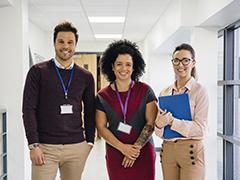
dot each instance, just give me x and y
(95, 168)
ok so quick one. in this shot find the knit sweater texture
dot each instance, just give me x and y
(42, 98)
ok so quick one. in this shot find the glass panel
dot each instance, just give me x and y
(1, 145)
(220, 158)
(220, 109)
(236, 130)
(220, 66)
(1, 123)
(2, 157)
(237, 54)
(236, 162)
(1, 166)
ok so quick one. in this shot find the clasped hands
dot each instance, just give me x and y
(163, 119)
(131, 153)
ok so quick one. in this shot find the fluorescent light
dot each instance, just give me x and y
(108, 36)
(98, 19)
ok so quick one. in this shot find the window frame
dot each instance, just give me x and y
(228, 84)
(4, 156)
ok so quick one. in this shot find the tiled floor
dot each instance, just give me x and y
(95, 168)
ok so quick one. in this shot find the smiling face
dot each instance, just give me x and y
(183, 71)
(123, 67)
(65, 45)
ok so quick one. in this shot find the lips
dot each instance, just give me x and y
(123, 74)
(65, 53)
(181, 70)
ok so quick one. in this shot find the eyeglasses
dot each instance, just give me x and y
(184, 61)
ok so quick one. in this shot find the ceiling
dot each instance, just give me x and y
(140, 16)
(5, 3)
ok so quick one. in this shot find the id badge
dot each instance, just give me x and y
(124, 128)
(66, 109)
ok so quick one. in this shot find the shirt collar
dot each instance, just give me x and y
(62, 67)
(187, 86)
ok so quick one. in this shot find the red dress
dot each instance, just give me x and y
(107, 101)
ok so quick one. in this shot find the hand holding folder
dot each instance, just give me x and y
(164, 118)
(179, 106)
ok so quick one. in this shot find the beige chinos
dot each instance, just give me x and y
(183, 160)
(69, 159)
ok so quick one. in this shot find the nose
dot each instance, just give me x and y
(124, 67)
(180, 63)
(65, 45)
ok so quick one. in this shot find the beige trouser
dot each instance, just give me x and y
(183, 160)
(69, 158)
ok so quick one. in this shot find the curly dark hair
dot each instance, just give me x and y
(65, 26)
(122, 47)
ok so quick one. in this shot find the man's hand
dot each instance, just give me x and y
(37, 156)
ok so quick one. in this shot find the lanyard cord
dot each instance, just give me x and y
(123, 107)
(65, 89)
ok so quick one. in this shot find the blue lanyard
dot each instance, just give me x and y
(62, 83)
(124, 108)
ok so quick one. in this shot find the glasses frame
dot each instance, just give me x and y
(181, 61)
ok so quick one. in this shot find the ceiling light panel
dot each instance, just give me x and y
(105, 7)
(108, 36)
(54, 2)
(119, 19)
(107, 28)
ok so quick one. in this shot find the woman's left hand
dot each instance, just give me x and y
(127, 162)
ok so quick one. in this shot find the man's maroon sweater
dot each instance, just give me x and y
(43, 96)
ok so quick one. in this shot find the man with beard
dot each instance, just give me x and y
(52, 111)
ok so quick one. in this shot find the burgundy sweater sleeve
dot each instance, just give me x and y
(30, 103)
(89, 110)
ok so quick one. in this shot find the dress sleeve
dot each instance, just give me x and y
(150, 95)
(99, 104)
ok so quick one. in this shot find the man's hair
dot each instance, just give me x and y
(65, 27)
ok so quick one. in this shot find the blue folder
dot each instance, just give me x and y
(179, 106)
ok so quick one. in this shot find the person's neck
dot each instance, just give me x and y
(123, 85)
(181, 82)
(64, 63)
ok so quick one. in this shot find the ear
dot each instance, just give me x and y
(194, 62)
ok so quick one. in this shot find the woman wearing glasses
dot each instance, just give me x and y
(125, 114)
(182, 157)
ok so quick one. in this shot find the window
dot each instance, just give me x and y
(220, 159)
(3, 145)
(236, 162)
(229, 103)
(220, 71)
(237, 87)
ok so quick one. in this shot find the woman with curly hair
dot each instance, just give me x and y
(125, 114)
